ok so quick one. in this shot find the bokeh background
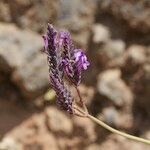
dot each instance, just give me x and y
(115, 35)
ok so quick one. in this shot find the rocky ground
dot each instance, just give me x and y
(116, 87)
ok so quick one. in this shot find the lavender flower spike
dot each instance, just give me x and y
(75, 60)
(53, 51)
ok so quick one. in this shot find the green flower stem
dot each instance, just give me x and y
(107, 127)
(104, 125)
(84, 113)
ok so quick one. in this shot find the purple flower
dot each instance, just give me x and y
(81, 59)
(52, 49)
(74, 60)
(63, 59)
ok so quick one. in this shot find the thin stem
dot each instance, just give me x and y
(80, 98)
(79, 115)
(81, 101)
(107, 127)
(101, 123)
(80, 111)
(78, 92)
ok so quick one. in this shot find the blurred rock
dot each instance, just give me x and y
(148, 53)
(119, 119)
(137, 54)
(33, 133)
(93, 147)
(58, 122)
(73, 143)
(101, 33)
(135, 13)
(114, 88)
(138, 70)
(125, 120)
(21, 57)
(110, 115)
(142, 89)
(26, 14)
(114, 48)
(146, 68)
(46, 142)
(9, 143)
(110, 54)
(1, 77)
(34, 81)
(81, 39)
(77, 16)
(135, 57)
(147, 134)
(116, 142)
(114, 52)
(85, 128)
(5, 14)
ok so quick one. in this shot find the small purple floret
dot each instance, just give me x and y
(81, 59)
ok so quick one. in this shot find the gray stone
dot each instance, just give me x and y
(112, 86)
(119, 119)
(58, 122)
(135, 13)
(20, 56)
(101, 33)
(86, 127)
(146, 69)
(77, 16)
(9, 143)
(114, 48)
(113, 52)
(142, 100)
(137, 54)
(5, 14)
(110, 115)
(117, 142)
(29, 13)
(93, 147)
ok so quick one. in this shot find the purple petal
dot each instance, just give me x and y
(81, 59)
